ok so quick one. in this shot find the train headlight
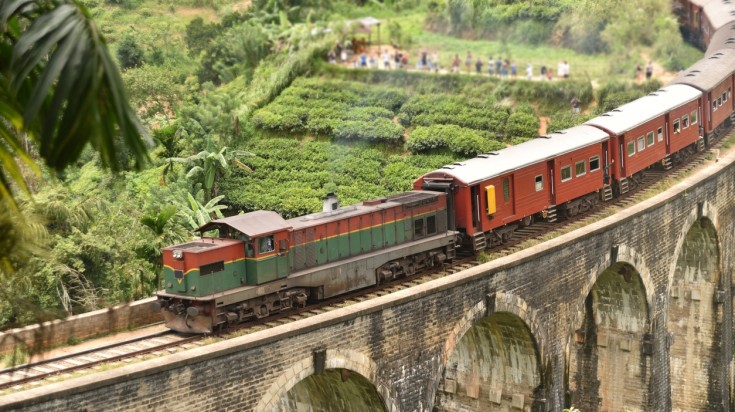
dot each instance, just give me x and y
(178, 254)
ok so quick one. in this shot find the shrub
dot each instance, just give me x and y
(379, 130)
(521, 124)
(460, 140)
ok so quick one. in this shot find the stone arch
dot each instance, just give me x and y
(480, 338)
(501, 302)
(694, 317)
(619, 253)
(707, 211)
(610, 345)
(344, 359)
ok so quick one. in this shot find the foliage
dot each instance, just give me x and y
(199, 35)
(129, 53)
(614, 94)
(460, 140)
(59, 87)
(153, 90)
(342, 110)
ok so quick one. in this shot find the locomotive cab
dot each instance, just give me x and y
(265, 237)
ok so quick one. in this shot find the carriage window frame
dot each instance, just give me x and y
(685, 121)
(724, 97)
(641, 143)
(580, 168)
(631, 148)
(677, 129)
(594, 163)
(660, 132)
(566, 173)
(506, 189)
(650, 141)
(693, 117)
(539, 182)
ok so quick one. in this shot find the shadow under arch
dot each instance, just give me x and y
(694, 317)
(609, 359)
(347, 382)
(491, 359)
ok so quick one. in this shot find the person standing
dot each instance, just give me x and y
(543, 72)
(490, 66)
(498, 66)
(478, 65)
(455, 64)
(575, 104)
(386, 60)
(649, 70)
(529, 71)
(468, 62)
(435, 61)
(638, 72)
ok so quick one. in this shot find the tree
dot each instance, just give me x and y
(129, 53)
(208, 167)
(59, 91)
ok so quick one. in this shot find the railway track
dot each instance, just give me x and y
(20, 377)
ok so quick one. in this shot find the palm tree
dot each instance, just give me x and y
(59, 90)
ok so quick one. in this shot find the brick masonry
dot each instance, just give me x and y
(607, 317)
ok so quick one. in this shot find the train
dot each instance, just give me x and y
(260, 263)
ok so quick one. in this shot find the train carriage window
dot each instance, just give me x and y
(685, 121)
(266, 244)
(594, 163)
(418, 227)
(693, 117)
(724, 97)
(431, 225)
(580, 168)
(660, 132)
(677, 129)
(714, 106)
(719, 101)
(631, 148)
(649, 139)
(641, 144)
(506, 189)
(566, 173)
(539, 183)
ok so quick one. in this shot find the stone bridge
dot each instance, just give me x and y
(634, 312)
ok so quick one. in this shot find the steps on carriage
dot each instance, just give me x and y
(551, 214)
(624, 185)
(607, 193)
(667, 163)
(479, 241)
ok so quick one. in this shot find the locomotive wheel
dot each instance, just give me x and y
(262, 311)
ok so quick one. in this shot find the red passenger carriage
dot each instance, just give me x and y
(496, 192)
(655, 128)
(714, 77)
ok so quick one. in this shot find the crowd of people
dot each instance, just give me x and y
(389, 58)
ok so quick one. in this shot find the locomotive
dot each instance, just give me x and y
(260, 263)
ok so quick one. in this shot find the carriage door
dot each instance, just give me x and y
(552, 186)
(476, 218)
(606, 160)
